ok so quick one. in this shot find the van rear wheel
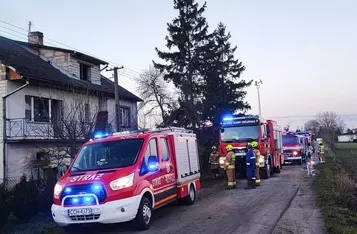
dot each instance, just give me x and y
(143, 217)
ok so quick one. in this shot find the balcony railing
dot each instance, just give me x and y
(17, 129)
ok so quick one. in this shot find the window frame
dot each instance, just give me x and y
(122, 114)
(84, 72)
(32, 100)
(164, 141)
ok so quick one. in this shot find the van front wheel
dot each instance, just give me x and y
(143, 217)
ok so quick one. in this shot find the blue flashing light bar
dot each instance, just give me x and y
(233, 117)
(100, 135)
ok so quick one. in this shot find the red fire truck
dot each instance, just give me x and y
(239, 130)
(293, 148)
(125, 176)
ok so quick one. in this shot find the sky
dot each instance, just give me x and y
(305, 52)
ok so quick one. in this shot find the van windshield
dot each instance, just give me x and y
(107, 155)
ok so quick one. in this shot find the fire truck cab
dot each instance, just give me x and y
(293, 148)
(125, 176)
(239, 130)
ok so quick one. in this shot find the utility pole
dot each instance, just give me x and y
(257, 84)
(30, 24)
(116, 93)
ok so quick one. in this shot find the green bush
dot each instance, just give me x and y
(24, 203)
(4, 205)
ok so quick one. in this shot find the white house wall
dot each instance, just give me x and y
(347, 138)
(16, 102)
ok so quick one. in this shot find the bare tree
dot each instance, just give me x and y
(330, 126)
(70, 120)
(154, 91)
(313, 126)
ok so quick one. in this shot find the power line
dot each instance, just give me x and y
(131, 71)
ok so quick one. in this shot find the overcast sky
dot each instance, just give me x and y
(304, 51)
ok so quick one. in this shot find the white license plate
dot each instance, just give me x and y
(80, 211)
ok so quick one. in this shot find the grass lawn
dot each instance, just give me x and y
(352, 145)
(337, 190)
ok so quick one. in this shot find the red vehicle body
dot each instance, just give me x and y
(238, 131)
(294, 149)
(125, 176)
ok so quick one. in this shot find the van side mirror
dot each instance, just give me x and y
(222, 130)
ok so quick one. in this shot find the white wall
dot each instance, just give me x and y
(347, 138)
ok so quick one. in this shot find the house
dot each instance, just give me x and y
(349, 136)
(54, 99)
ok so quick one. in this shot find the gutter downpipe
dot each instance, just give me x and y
(4, 119)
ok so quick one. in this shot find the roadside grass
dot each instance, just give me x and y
(337, 190)
(349, 145)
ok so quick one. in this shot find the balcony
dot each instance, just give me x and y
(24, 129)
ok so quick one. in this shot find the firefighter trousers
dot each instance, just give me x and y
(231, 177)
(257, 175)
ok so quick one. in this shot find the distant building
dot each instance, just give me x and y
(348, 136)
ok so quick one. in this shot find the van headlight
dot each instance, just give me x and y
(58, 189)
(295, 153)
(123, 182)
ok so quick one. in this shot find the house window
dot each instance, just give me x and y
(87, 113)
(42, 109)
(125, 116)
(84, 72)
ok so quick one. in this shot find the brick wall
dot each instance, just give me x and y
(95, 75)
(3, 83)
(2, 72)
(59, 58)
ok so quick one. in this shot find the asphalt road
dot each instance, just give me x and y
(263, 210)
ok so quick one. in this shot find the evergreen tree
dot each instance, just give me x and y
(187, 36)
(223, 90)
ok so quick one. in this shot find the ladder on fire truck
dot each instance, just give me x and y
(163, 130)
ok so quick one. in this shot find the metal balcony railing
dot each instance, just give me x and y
(64, 130)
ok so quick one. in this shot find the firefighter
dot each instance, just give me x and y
(214, 161)
(321, 151)
(257, 155)
(229, 166)
(250, 160)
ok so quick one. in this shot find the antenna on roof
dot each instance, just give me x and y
(30, 24)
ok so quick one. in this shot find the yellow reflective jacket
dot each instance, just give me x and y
(230, 160)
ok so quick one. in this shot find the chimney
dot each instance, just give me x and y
(35, 38)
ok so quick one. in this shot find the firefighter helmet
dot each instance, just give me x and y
(254, 144)
(214, 147)
(229, 147)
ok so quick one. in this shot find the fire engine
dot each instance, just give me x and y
(306, 141)
(125, 176)
(294, 150)
(239, 130)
